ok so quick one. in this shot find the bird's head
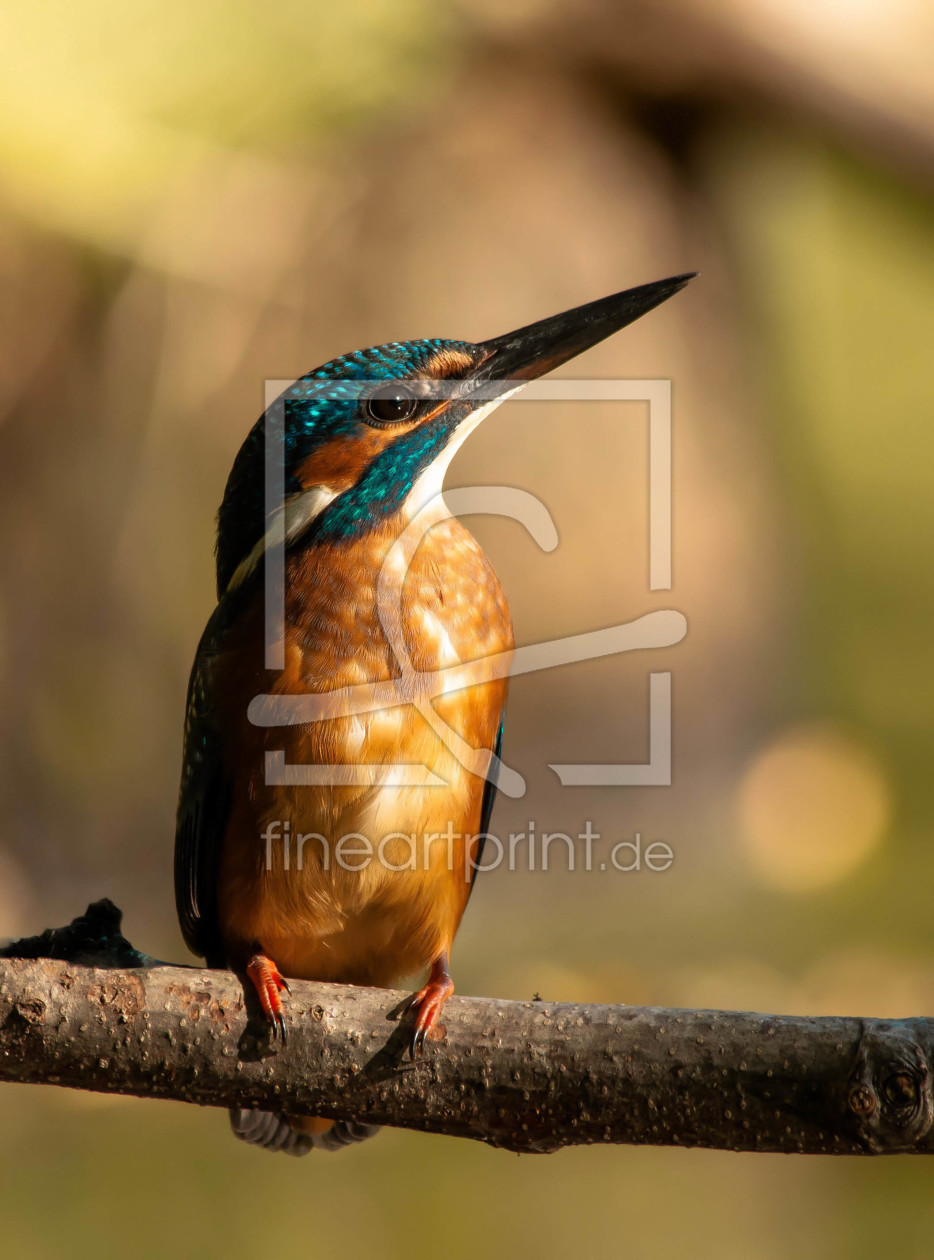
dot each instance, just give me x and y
(370, 435)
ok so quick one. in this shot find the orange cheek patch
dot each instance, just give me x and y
(447, 362)
(341, 463)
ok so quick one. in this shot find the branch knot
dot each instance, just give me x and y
(889, 1090)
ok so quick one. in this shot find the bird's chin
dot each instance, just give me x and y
(429, 485)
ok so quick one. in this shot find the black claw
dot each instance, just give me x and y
(283, 1027)
(286, 985)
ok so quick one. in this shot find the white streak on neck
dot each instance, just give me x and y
(296, 514)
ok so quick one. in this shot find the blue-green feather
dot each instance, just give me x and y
(321, 406)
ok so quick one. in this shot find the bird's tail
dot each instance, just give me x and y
(297, 1135)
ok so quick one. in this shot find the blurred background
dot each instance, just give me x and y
(196, 197)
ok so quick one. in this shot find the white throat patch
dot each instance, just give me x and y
(430, 483)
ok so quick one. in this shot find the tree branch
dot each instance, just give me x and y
(527, 1076)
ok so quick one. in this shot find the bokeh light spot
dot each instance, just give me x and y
(812, 807)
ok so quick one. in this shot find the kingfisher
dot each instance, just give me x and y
(336, 737)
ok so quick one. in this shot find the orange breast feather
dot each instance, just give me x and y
(435, 629)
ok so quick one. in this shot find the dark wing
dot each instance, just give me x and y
(489, 800)
(203, 807)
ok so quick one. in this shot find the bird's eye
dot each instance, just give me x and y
(390, 404)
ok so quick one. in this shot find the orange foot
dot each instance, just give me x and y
(269, 982)
(427, 1003)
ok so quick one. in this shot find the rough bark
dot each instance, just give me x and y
(527, 1076)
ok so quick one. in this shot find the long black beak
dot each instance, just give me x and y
(532, 351)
